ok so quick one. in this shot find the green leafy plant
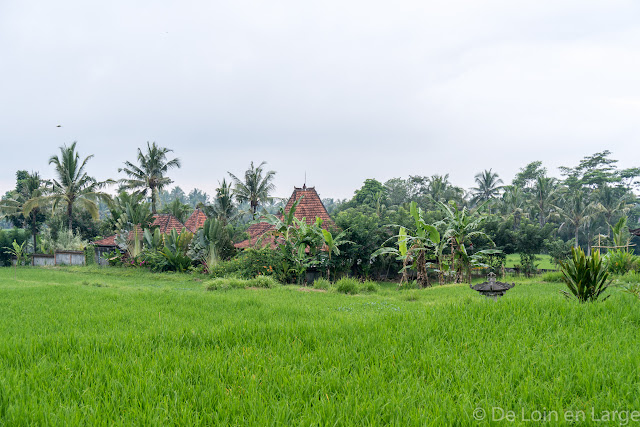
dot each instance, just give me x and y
(347, 285)
(585, 276)
(322, 284)
(17, 250)
(621, 261)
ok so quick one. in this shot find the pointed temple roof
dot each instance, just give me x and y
(196, 220)
(309, 208)
(164, 222)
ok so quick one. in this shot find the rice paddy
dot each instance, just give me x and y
(123, 346)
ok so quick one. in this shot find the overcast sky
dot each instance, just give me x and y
(340, 90)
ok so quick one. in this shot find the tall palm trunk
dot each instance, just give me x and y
(69, 213)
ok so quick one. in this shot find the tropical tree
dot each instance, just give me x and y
(178, 209)
(577, 211)
(150, 173)
(73, 186)
(29, 189)
(333, 244)
(256, 186)
(129, 208)
(488, 187)
(222, 208)
(544, 193)
(461, 226)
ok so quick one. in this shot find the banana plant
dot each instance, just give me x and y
(461, 226)
(175, 249)
(209, 243)
(152, 239)
(412, 248)
(333, 244)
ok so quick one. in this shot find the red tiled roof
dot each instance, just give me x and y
(195, 221)
(309, 208)
(255, 231)
(107, 241)
(164, 222)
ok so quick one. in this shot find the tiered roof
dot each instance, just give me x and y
(164, 222)
(309, 208)
(195, 221)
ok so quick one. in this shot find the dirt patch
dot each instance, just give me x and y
(311, 290)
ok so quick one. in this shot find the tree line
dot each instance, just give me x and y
(535, 213)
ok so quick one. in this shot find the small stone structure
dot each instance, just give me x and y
(491, 288)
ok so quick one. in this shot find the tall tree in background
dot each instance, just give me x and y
(488, 187)
(73, 186)
(256, 186)
(150, 173)
(576, 212)
(222, 208)
(29, 188)
(544, 193)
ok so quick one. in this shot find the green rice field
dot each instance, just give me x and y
(91, 346)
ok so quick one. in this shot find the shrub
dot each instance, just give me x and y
(347, 285)
(552, 276)
(585, 276)
(90, 255)
(226, 283)
(322, 283)
(369, 287)
(263, 282)
(632, 288)
(411, 284)
(621, 262)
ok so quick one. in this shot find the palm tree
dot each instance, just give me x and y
(488, 187)
(440, 189)
(150, 174)
(222, 208)
(577, 212)
(255, 187)
(29, 189)
(513, 203)
(73, 186)
(544, 192)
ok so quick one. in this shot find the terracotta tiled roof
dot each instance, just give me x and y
(164, 222)
(255, 231)
(195, 221)
(309, 208)
(107, 241)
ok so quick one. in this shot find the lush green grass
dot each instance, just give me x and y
(109, 346)
(543, 262)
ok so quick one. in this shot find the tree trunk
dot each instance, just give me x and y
(69, 213)
(153, 200)
(421, 267)
(576, 236)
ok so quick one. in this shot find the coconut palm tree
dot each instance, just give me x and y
(255, 187)
(29, 189)
(544, 193)
(150, 173)
(488, 187)
(577, 212)
(222, 208)
(73, 186)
